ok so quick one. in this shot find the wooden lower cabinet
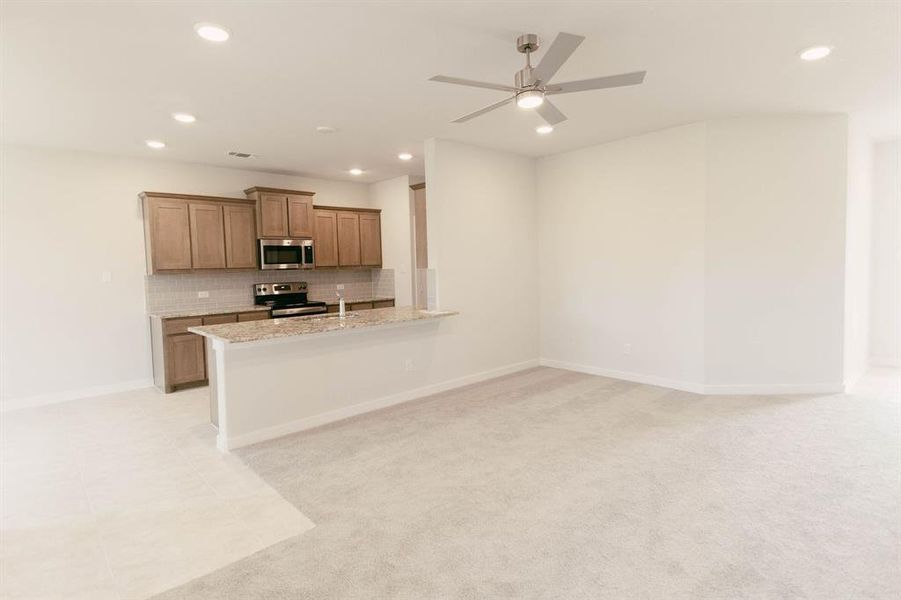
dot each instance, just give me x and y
(179, 356)
(333, 308)
(185, 359)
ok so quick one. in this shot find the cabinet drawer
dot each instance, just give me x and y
(219, 319)
(359, 306)
(174, 326)
(332, 308)
(383, 304)
(260, 315)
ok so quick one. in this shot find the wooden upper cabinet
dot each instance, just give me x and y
(168, 232)
(273, 215)
(283, 213)
(348, 239)
(183, 232)
(300, 216)
(240, 237)
(370, 240)
(325, 238)
(207, 236)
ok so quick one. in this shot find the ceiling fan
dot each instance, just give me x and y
(532, 85)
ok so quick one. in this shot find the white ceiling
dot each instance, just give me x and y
(105, 76)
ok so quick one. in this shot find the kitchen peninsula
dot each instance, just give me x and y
(270, 378)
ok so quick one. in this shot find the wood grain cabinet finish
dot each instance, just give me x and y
(185, 359)
(370, 240)
(207, 236)
(167, 229)
(282, 213)
(184, 232)
(300, 216)
(348, 239)
(383, 304)
(325, 238)
(260, 315)
(179, 356)
(240, 237)
(273, 210)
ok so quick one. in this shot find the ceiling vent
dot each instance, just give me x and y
(234, 154)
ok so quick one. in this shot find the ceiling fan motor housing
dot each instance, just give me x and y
(528, 42)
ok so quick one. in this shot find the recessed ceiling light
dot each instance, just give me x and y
(530, 99)
(816, 53)
(155, 144)
(356, 171)
(544, 129)
(184, 117)
(326, 129)
(212, 32)
(405, 156)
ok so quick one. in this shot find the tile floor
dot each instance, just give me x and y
(124, 496)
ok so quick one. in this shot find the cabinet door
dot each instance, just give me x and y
(300, 216)
(370, 240)
(348, 239)
(220, 319)
(170, 235)
(273, 216)
(240, 237)
(260, 315)
(207, 236)
(325, 238)
(184, 359)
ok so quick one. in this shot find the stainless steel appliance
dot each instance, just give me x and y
(286, 254)
(286, 299)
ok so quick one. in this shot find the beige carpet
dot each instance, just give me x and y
(552, 484)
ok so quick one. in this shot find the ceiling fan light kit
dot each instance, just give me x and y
(533, 85)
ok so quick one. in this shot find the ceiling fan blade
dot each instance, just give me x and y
(561, 48)
(482, 111)
(550, 113)
(471, 83)
(598, 83)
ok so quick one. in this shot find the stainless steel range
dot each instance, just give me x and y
(286, 299)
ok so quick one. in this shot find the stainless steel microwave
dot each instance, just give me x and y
(286, 254)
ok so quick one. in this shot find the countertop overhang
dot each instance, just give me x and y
(253, 332)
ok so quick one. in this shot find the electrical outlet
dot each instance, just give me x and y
(106, 277)
(340, 286)
(203, 294)
(627, 349)
(408, 364)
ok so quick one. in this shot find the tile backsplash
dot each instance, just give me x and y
(226, 290)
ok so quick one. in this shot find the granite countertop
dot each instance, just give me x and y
(258, 331)
(334, 301)
(205, 312)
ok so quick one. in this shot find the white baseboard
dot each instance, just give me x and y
(773, 389)
(685, 386)
(276, 431)
(885, 361)
(100, 390)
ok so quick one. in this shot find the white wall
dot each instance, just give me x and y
(774, 293)
(481, 231)
(716, 250)
(885, 338)
(393, 198)
(68, 216)
(622, 257)
(858, 259)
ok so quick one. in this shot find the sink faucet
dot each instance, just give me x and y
(340, 293)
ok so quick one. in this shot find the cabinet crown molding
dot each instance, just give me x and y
(270, 190)
(171, 196)
(347, 209)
